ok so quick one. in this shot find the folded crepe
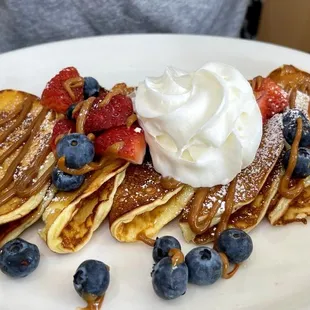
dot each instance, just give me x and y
(143, 206)
(25, 158)
(249, 216)
(12, 230)
(72, 217)
(250, 181)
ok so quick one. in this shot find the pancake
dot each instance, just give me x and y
(289, 77)
(249, 181)
(13, 229)
(25, 157)
(250, 215)
(72, 217)
(143, 205)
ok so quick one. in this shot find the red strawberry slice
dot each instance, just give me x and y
(62, 127)
(122, 142)
(113, 114)
(271, 98)
(55, 96)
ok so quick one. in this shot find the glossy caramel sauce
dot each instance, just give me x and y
(145, 239)
(177, 257)
(292, 98)
(85, 169)
(73, 83)
(85, 107)
(93, 302)
(256, 82)
(118, 89)
(293, 191)
(228, 208)
(200, 226)
(131, 120)
(289, 77)
(226, 273)
(169, 183)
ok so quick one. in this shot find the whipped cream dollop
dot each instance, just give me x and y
(202, 127)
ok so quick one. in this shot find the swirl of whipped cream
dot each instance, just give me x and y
(202, 127)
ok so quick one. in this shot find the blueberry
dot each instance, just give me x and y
(204, 266)
(169, 282)
(290, 126)
(77, 149)
(91, 87)
(70, 111)
(236, 244)
(302, 168)
(19, 258)
(66, 182)
(162, 247)
(91, 278)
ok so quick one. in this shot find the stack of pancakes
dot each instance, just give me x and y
(25, 161)
(133, 196)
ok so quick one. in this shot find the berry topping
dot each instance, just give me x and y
(113, 114)
(77, 149)
(290, 127)
(91, 279)
(122, 142)
(236, 244)
(19, 258)
(69, 112)
(66, 182)
(162, 247)
(204, 266)
(169, 280)
(62, 127)
(271, 98)
(91, 87)
(55, 96)
(302, 168)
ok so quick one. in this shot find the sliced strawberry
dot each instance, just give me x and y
(55, 96)
(63, 126)
(113, 114)
(271, 98)
(122, 142)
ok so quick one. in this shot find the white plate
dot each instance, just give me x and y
(277, 276)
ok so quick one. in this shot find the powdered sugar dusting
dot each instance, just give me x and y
(251, 179)
(302, 102)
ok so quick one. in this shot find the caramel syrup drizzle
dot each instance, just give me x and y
(118, 89)
(73, 83)
(25, 110)
(22, 188)
(284, 189)
(85, 169)
(84, 107)
(199, 227)
(256, 82)
(93, 302)
(228, 274)
(145, 239)
(177, 257)
(169, 183)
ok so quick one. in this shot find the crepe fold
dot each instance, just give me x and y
(72, 217)
(143, 205)
(249, 183)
